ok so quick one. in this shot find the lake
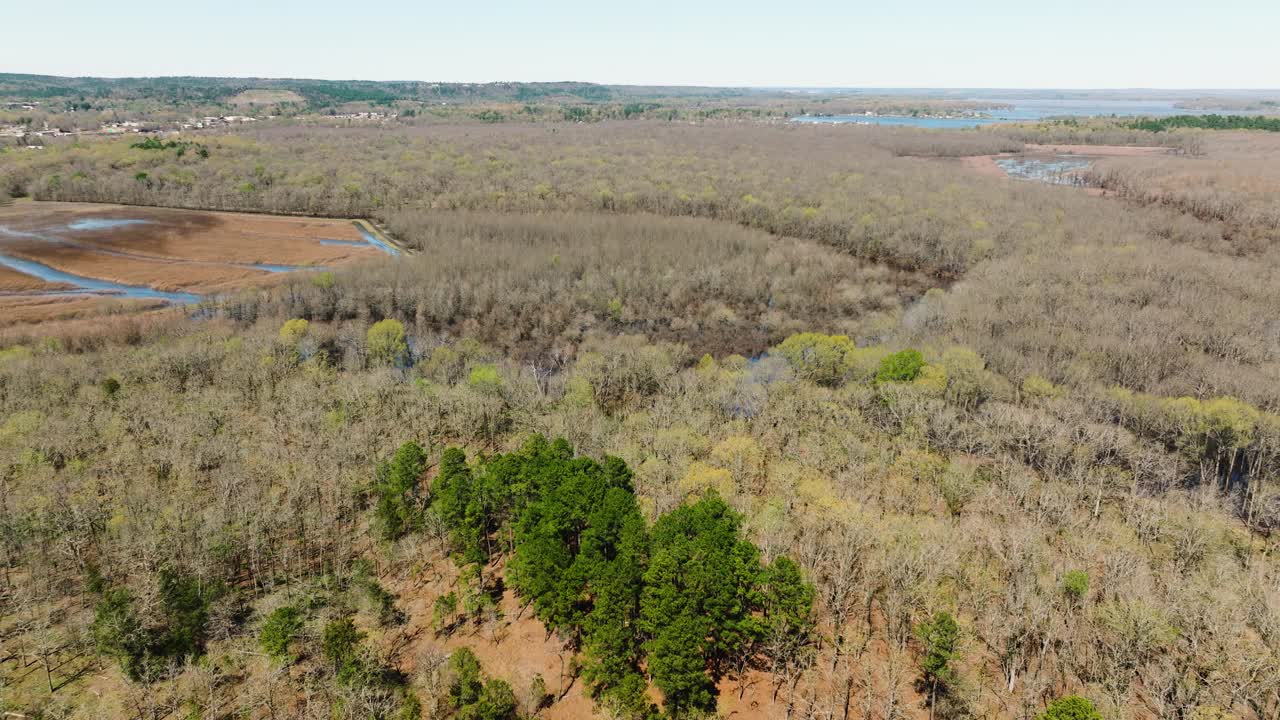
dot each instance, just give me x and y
(1022, 110)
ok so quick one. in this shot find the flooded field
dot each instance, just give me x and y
(56, 257)
(1052, 169)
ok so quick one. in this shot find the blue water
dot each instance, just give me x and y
(284, 268)
(1062, 170)
(1022, 111)
(101, 224)
(373, 240)
(93, 285)
(48, 274)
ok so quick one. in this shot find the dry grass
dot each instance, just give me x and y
(1237, 180)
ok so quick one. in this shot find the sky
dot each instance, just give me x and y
(829, 43)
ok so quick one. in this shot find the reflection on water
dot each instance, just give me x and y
(103, 224)
(376, 241)
(82, 284)
(284, 268)
(1060, 170)
(48, 274)
(1020, 110)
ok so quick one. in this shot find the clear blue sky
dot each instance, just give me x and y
(851, 43)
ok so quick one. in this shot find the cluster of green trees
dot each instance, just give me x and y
(1207, 122)
(688, 601)
(150, 639)
(179, 147)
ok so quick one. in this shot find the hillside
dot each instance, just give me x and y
(726, 418)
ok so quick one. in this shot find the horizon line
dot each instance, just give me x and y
(712, 85)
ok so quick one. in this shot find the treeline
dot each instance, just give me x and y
(1207, 122)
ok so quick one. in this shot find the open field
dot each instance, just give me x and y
(171, 251)
(13, 281)
(49, 308)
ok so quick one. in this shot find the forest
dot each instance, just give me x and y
(726, 418)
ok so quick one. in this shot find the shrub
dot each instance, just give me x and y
(445, 608)
(294, 330)
(1035, 387)
(1071, 707)
(1075, 584)
(824, 359)
(279, 630)
(485, 379)
(340, 642)
(902, 366)
(386, 342)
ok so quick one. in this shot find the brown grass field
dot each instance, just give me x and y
(12, 281)
(170, 250)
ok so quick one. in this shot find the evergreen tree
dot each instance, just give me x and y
(788, 613)
(939, 635)
(699, 595)
(399, 506)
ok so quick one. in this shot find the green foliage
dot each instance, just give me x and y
(323, 280)
(823, 359)
(472, 696)
(110, 386)
(902, 366)
(294, 330)
(1075, 583)
(146, 651)
(399, 498)
(939, 637)
(486, 379)
(1207, 122)
(179, 146)
(467, 681)
(699, 591)
(340, 642)
(1071, 707)
(443, 612)
(386, 342)
(787, 601)
(279, 630)
(691, 604)
(1035, 387)
(473, 507)
(383, 601)
(497, 702)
